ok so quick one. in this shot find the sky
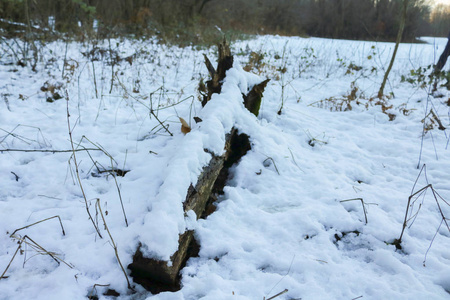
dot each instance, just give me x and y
(442, 1)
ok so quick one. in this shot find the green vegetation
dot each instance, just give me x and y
(425, 76)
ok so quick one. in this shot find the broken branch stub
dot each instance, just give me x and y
(214, 85)
(252, 100)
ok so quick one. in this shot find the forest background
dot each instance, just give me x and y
(205, 21)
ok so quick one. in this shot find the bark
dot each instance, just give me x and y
(441, 63)
(443, 58)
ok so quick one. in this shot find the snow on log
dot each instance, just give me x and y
(158, 274)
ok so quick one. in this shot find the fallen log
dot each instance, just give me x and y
(158, 276)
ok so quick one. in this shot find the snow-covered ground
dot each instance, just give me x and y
(283, 222)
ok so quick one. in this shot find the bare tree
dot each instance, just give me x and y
(397, 42)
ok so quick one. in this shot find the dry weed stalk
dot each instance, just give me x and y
(95, 80)
(98, 200)
(362, 203)
(113, 171)
(432, 119)
(93, 293)
(7, 267)
(410, 216)
(113, 174)
(286, 290)
(277, 295)
(283, 69)
(35, 223)
(35, 246)
(358, 98)
(48, 151)
(152, 111)
(113, 243)
(268, 164)
(41, 141)
(293, 159)
(74, 157)
(39, 249)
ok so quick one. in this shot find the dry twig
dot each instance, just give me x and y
(113, 244)
(74, 157)
(62, 228)
(362, 203)
(277, 295)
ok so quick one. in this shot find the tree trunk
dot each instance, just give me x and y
(443, 58)
(441, 63)
(397, 42)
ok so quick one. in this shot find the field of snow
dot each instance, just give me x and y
(312, 209)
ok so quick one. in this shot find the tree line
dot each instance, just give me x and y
(440, 20)
(195, 19)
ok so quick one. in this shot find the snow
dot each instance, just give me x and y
(281, 223)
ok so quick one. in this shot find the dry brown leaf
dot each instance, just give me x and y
(185, 128)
